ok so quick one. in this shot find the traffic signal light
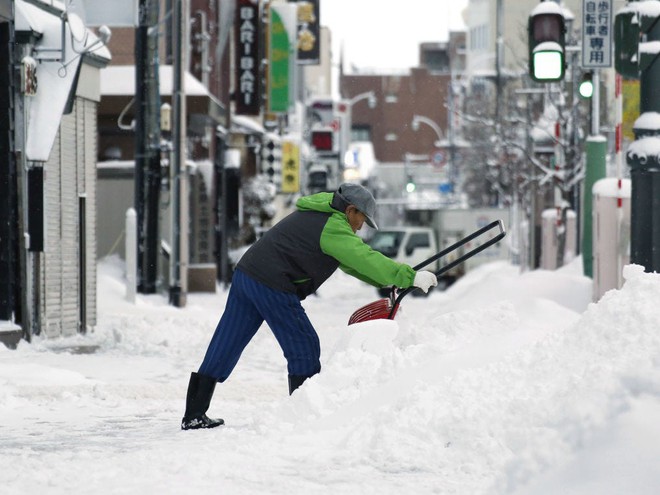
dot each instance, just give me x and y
(547, 32)
(626, 43)
(410, 185)
(323, 140)
(586, 87)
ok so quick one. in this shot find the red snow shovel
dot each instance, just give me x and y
(386, 308)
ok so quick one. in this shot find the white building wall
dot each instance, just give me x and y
(51, 266)
(89, 188)
(70, 174)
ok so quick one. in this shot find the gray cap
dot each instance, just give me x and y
(361, 198)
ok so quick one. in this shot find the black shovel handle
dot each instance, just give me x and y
(497, 223)
(465, 240)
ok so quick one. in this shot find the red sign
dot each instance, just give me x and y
(322, 140)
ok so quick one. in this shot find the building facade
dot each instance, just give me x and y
(51, 95)
(424, 90)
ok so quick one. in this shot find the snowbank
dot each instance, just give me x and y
(507, 383)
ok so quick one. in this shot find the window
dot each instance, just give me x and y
(387, 242)
(361, 132)
(419, 240)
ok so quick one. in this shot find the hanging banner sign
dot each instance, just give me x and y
(290, 167)
(247, 85)
(596, 33)
(309, 35)
(281, 56)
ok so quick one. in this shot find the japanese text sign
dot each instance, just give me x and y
(597, 21)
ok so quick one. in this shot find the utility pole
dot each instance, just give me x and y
(178, 183)
(221, 242)
(642, 155)
(147, 146)
(499, 60)
(9, 229)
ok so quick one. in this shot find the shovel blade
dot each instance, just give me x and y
(377, 310)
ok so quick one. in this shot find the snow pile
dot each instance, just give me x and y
(506, 383)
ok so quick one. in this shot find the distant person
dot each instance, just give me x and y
(287, 264)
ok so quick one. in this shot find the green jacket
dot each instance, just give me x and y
(305, 248)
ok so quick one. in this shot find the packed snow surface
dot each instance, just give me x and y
(506, 383)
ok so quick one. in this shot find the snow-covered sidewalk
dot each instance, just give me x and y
(503, 384)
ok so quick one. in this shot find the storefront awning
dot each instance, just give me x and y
(118, 87)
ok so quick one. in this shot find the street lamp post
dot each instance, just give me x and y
(370, 96)
(417, 119)
(347, 124)
(440, 142)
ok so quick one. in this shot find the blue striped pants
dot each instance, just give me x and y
(250, 303)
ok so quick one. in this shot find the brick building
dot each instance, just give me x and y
(422, 91)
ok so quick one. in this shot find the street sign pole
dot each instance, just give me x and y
(597, 22)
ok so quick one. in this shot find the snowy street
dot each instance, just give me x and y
(503, 384)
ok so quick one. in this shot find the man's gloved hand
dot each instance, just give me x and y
(424, 280)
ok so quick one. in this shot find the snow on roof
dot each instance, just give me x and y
(30, 17)
(56, 78)
(248, 124)
(119, 80)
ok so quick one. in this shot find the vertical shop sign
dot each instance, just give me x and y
(290, 167)
(248, 61)
(281, 56)
(309, 37)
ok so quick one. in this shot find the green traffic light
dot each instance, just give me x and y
(410, 187)
(546, 29)
(548, 65)
(586, 88)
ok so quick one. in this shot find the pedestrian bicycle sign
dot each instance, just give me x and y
(596, 33)
(438, 158)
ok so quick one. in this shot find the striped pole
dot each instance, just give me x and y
(618, 104)
(618, 135)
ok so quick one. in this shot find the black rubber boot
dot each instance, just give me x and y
(198, 399)
(296, 381)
